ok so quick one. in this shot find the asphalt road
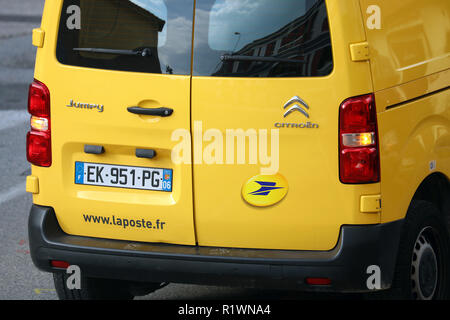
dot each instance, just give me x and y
(19, 279)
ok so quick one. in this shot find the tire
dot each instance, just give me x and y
(422, 267)
(101, 289)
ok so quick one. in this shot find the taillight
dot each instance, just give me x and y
(318, 281)
(39, 151)
(39, 100)
(359, 158)
(59, 264)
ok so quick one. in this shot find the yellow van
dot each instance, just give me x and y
(297, 144)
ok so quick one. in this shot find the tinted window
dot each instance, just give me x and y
(129, 35)
(262, 38)
(233, 38)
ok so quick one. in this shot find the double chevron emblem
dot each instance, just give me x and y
(296, 104)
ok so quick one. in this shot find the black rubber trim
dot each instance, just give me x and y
(161, 112)
(346, 265)
(145, 153)
(92, 149)
(417, 98)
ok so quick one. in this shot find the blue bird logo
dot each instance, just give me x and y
(266, 188)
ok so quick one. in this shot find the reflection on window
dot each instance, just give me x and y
(158, 9)
(118, 25)
(128, 35)
(265, 38)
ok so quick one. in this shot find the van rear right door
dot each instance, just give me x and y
(283, 67)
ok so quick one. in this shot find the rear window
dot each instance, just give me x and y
(153, 36)
(264, 38)
(232, 38)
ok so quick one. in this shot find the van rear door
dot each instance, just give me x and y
(119, 86)
(268, 80)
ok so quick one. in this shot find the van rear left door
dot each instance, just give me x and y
(112, 55)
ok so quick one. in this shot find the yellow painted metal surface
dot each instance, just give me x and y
(413, 136)
(410, 61)
(413, 40)
(32, 185)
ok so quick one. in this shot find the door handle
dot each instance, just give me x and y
(161, 112)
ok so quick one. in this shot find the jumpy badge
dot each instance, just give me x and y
(265, 190)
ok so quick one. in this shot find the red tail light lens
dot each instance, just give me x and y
(39, 151)
(358, 135)
(318, 281)
(358, 115)
(59, 264)
(39, 100)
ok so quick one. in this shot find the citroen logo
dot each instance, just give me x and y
(296, 104)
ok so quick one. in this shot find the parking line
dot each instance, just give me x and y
(16, 191)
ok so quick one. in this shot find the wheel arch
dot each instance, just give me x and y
(435, 188)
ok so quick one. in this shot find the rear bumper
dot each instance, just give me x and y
(346, 265)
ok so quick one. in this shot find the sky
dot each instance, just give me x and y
(217, 22)
(251, 19)
(156, 7)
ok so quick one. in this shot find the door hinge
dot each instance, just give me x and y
(32, 185)
(38, 37)
(370, 204)
(360, 51)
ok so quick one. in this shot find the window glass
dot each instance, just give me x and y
(233, 38)
(129, 35)
(262, 38)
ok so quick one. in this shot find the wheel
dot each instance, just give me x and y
(423, 259)
(101, 289)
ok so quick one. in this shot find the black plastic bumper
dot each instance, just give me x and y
(346, 265)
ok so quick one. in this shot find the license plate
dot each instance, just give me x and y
(108, 175)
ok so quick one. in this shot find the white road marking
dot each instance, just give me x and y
(12, 193)
(13, 118)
